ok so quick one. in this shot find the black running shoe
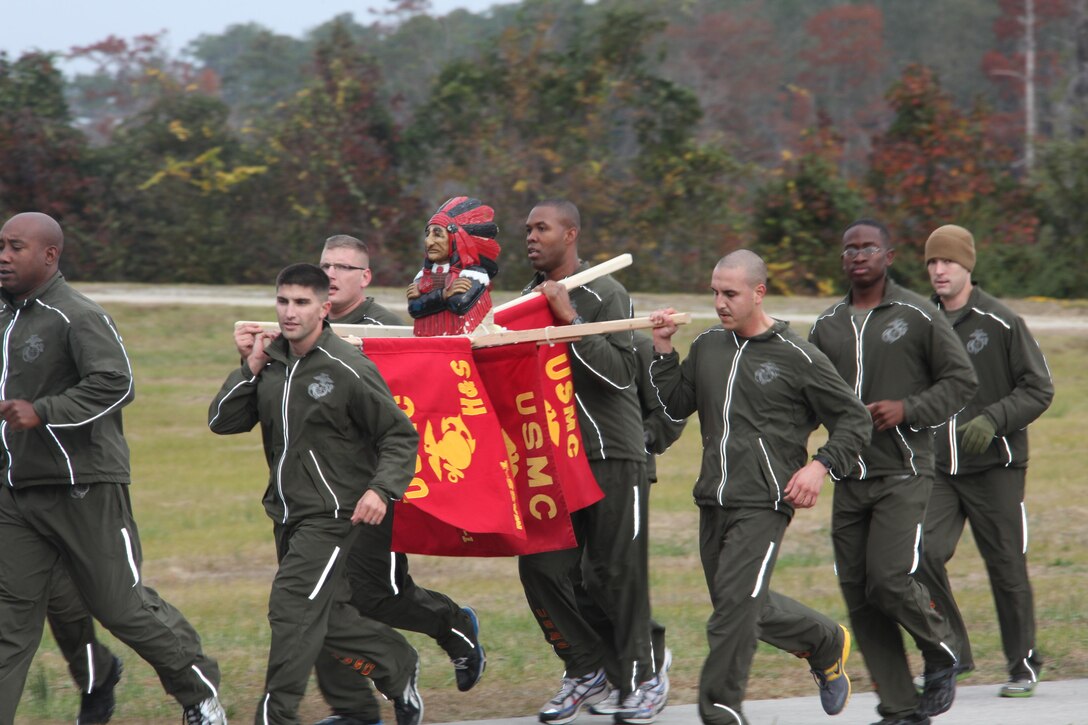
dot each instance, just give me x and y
(97, 705)
(409, 706)
(470, 668)
(939, 691)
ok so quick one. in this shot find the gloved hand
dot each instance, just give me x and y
(977, 435)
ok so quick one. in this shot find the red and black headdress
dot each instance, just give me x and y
(472, 230)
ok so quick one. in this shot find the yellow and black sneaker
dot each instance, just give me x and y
(833, 682)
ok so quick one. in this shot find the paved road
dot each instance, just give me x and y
(1055, 703)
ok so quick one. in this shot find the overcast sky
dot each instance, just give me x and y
(57, 25)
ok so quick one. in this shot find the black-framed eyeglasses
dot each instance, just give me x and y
(866, 251)
(325, 267)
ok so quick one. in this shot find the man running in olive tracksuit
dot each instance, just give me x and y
(760, 390)
(908, 367)
(65, 465)
(982, 458)
(381, 586)
(95, 670)
(339, 450)
(611, 533)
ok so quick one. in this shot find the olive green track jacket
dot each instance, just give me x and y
(330, 427)
(1015, 386)
(758, 400)
(603, 368)
(63, 353)
(902, 349)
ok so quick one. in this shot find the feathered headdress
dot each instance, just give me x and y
(472, 230)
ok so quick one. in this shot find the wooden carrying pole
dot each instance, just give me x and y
(357, 331)
(355, 334)
(568, 333)
(575, 280)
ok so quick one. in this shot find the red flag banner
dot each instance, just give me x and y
(514, 388)
(580, 488)
(510, 372)
(462, 480)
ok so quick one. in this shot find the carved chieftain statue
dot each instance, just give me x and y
(451, 294)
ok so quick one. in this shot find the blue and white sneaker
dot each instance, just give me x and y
(469, 669)
(573, 694)
(663, 679)
(208, 712)
(643, 705)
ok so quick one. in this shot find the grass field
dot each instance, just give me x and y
(207, 547)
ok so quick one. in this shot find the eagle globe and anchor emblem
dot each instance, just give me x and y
(322, 386)
(35, 346)
(767, 372)
(895, 330)
(451, 450)
(976, 341)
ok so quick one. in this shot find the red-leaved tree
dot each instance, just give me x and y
(938, 165)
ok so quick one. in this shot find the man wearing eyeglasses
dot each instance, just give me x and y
(381, 587)
(911, 371)
(346, 260)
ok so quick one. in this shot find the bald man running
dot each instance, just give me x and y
(759, 390)
(65, 464)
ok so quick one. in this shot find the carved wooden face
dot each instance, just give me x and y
(437, 244)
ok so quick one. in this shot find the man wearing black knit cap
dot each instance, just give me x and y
(982, 457)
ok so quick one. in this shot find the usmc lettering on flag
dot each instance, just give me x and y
(579, 486)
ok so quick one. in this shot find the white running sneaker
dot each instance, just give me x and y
(609, 705)
(647, 702)
(208, 712)
(573, 694)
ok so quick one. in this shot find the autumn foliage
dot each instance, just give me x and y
(937, 165)
(682, 130)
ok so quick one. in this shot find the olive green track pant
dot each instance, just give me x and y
(382, 589)
(739, 548)
(90, 532)
(311, 618)
(993, 501)
(89, 661)
(601, 585)
(876, 529)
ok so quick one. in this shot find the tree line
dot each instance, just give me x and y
(682, 130)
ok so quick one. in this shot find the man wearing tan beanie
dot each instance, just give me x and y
(982, 455)
(952, 243)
